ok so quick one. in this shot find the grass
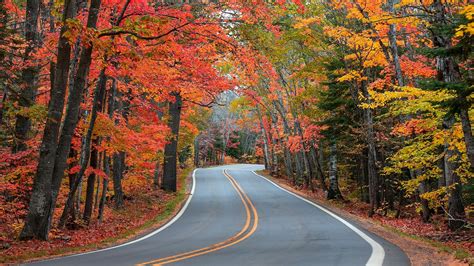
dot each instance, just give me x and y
(169, 209)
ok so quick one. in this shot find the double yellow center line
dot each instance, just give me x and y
(251, 223)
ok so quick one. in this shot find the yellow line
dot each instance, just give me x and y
(223, 244)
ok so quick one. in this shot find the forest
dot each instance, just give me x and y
(106, 104)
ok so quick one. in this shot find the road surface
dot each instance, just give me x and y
(235, 217)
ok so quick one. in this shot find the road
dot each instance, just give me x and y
(235, 217)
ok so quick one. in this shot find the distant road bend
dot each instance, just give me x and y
(236, 217)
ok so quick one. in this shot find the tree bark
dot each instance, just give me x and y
(333, 191)
(448, 72)
(37, 223)
(467, 130)
(319, 170)
(371, 155)
(392, 36)
(117, 167)
(85, 153)
(425, 209)
(29, 74)
(286, 129)
(265, 140)
(76, 96)
(105, 184)
(91, 179)
(171, 148)
(196, 152)
(456, 214)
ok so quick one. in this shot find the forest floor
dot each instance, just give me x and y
(145, 210)
(425, 244)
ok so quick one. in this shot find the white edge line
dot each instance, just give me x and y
(175, 218)
(378, 253)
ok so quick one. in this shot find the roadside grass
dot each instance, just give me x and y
(169, 208)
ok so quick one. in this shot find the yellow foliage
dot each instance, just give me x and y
(305, 22)
(467, 29)
(352, 75)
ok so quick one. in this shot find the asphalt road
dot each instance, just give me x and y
(235, 217)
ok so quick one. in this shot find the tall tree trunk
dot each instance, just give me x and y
(309, 173)
(37, 223)
(91, 179)
(319, 170)
(333, 191)
(266, 158)
(425, 209)
(4, 100)
(422, 188)
(85, 153)
(448, 72)
(156, 175)
(97, 191)
(196, 152)
(4, 59)
(105, 184)
(29, 74)
(467, 130)
(371, 155)
(363, 179)
(392, 36)
(76, 96)
(106, 159)
(286, 129)
(72, 178)
(171, 148)
(456, 214)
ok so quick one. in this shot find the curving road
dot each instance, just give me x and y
(235, 217)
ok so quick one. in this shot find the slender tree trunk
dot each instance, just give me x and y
(4, 59)
(196, 152)
(29, 74)
(305, 155)
(171, 149)
(106, 160)
(333, 191)
(422, 188)
(77, 201)
(392, 36)
(97, 193)
(456, 214)
(318, 168)
(265, 140)
(37, 223)
(372, 155)
(448, 72)
(299, 168)
(117, 167)
(467, 130)
(105, 184)
(364, 179)
(72, 178)
(4, 100)
(286, 129)
(156, 176)
(425, 209)
(76, 96)
(98, 96)
(91, 179)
